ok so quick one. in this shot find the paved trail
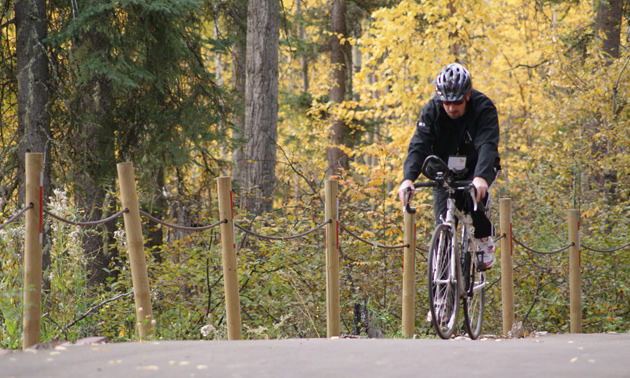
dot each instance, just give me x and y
(570, 355)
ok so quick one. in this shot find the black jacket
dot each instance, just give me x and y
(474, 135)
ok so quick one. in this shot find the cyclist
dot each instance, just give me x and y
(460, 125)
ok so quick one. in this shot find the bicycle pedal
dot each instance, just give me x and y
(463, 294)
(481, 267)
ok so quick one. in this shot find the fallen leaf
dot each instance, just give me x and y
(149, 367)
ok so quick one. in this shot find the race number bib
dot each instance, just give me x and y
(456, 163)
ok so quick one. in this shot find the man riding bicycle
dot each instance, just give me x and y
(460, 125)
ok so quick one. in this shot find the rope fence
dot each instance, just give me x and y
(289, 237)
(561, 249)
(282, 238)
(178, 227)
(16, 216)
(332, 225)
(374, 244)
(89, 223)
(609, 251)
(566, 247)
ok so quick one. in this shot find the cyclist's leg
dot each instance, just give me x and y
(484, 231)
(481, 220)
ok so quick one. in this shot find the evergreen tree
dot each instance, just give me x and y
(138, 90)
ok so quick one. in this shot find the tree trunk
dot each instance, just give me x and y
(158, 209)
(454, 48)
(238, 17)
(94, 156)
(337, 159)
(33, 96)
(608, 25)
(261, 106)
(95, 160)
(218, 66)
(302, 36)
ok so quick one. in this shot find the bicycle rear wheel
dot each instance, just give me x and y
(474, 303)
(443, 299)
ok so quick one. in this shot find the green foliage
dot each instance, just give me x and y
(11, 240)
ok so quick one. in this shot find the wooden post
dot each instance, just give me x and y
(409, 273)
(575, 283)
(228, 250)
(33, 250)
(135, 245)
(507, 278)
(332, 260)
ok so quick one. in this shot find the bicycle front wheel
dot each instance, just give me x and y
(443, 298)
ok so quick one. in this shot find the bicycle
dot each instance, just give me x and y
(452, 271)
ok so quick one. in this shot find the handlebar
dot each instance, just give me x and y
(407, 208)
(435, 169)
(457, 185)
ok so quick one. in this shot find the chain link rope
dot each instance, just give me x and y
(88, 223)
(612, 250)
(178, 227)
(282, 238)
(542, 252)
(344, 228)
(16, 216)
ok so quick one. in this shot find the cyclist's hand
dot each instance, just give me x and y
(403, 191)
(482, 187)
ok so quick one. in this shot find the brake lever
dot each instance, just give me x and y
(473, 195)
(407, 208)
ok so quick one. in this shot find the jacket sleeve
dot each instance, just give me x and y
(421, 145)
(487, 142)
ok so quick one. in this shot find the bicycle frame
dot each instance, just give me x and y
(456, 270)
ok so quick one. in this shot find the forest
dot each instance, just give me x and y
(282, 96)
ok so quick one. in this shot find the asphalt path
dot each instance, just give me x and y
(567, 355)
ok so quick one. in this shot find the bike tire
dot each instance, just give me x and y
(474, 302)
(442, 288)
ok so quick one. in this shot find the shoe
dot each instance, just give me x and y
(486, 245)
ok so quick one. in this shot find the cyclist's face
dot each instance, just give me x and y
(455, 109)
